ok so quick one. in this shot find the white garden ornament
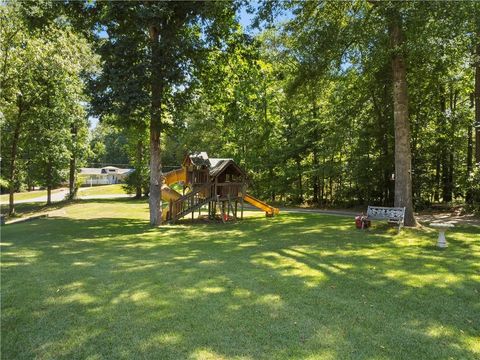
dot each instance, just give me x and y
(442, 227)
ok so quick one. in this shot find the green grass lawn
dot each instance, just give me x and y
(115, 189)
(96, 282)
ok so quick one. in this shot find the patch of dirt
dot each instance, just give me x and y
(448, 217)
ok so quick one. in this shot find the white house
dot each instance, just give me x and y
(104, 176)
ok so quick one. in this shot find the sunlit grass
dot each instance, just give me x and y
(115, 189)
(95, 281)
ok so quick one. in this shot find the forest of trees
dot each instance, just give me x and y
(340, 104)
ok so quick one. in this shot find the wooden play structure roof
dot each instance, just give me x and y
(217, 183)
(215, 166)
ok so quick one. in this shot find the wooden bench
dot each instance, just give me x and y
(394, 215)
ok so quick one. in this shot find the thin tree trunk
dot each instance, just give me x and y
(444, 149)
(72, 189)
(13, 160)
(446, 195)
(403, 162)
(139, 160)
(451, 170)
(469, 194)
(315, 178)
(451, 160)
(416, 170)
(330, 190)
(322, 187)
(72, 186)
(272, 189)
(49, 182)
(477, 98)
(436, 192)
(315, 152)
(28, 177)
(300, 182)
(155, 196)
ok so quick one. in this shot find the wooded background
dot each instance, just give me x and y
(305, 105)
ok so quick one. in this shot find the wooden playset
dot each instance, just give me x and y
(218, 184)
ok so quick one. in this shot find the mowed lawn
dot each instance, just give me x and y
(96, 282)
(116, 189)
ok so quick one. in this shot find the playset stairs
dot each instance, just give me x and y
(190, 202)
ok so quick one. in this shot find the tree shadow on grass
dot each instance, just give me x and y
(290, 288)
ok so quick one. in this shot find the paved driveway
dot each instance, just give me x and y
(61, 194)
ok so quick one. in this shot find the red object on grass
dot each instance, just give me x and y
(358, 222)
(361, 222)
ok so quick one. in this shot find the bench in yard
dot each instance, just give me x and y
(394, 215)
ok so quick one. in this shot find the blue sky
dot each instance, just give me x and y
(245, 19)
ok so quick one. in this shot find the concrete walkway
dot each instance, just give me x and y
(57, 195)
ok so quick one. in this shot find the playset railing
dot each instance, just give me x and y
(230, 189)
(191, 201)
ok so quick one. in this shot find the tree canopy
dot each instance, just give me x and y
(339, 104)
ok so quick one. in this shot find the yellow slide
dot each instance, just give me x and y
(174, 176)
(168, 193)
(269, 210)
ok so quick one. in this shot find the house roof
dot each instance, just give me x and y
(219, 165)
(90, 171)
(125, 171)
(98, 171)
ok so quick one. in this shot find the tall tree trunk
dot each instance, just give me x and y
(300, 181)
(72, 184)
(322, 187)
(155, 196)
(139, 161)
(403, 162)
(315, 177)
(330, 190)
(469, 194)
(49, 182)
(477, 98)
(271, 175)
(444, 149)
(452, 147)
(446, 188)
(314, 150)
(416, 184)
(13, 159)
(13, 168)
(436, 191)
